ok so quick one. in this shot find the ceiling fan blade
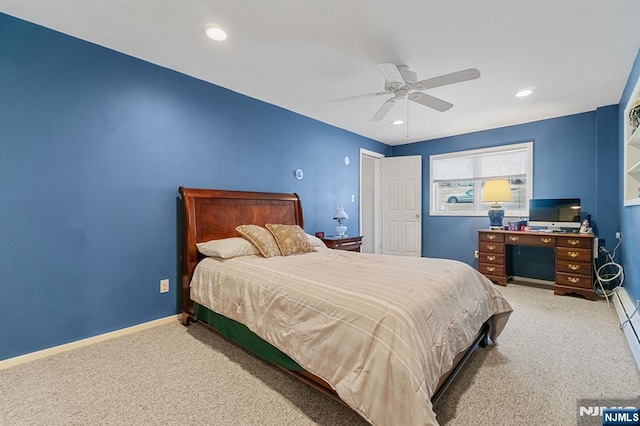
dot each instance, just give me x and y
(366, 95)
(430, 101)
(384, 109)
(443, 80)
(390, 73)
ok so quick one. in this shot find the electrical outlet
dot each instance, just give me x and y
(164, 286)
(617, 235)
(476, 254)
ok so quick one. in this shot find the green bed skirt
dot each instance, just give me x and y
(240, 334)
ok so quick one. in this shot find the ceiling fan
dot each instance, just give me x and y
(402, 83)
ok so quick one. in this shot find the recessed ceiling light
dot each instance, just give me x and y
(397, 122)
(214, 32)
(523, 93)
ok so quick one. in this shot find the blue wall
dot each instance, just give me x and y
(93, 147)
(575, 156)
(630, 216)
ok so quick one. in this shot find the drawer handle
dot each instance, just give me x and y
(491, 248)
(491, 258)
(490, 268)
(574, 267)
(491, 237)
(513, 238)
(545, 240)
(574, 254)
(574, 280)
(574, 242)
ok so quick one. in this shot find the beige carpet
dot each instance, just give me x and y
(554, 351)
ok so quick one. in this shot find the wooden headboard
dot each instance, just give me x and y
(212, 214)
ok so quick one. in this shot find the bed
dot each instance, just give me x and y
(353, 325)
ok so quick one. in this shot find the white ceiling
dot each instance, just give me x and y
(301, 54)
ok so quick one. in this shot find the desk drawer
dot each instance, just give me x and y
(491, 236)
(491, 269)
(575, 254)
(490, 247)
(531, 240)
(574, 280)
(575, 242)
(573, 267)
(492, 258)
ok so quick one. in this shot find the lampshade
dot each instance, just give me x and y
(340, 214)
(496, 190)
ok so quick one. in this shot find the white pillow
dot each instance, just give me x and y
(316, 242)
(227, 248)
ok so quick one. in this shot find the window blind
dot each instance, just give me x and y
(511, 163)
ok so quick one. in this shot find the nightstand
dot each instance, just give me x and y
(343, 243)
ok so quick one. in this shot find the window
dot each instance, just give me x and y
(457, 179)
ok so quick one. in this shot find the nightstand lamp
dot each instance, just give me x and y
(340, 215)
(496, 191)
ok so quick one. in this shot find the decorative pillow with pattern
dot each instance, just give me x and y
(261, 238)
(291, 239)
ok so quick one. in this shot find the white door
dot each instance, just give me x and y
(402, 205)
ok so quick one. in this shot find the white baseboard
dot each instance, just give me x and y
(624, 308)
(11, 362)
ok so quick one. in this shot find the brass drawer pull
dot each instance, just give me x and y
(491, 248)
(573, 254)
(490, 268)
(545, 240)
(574, 242)
(513, 238)
(574, 280)
(491, 237)
(491, 258)
(574, 267)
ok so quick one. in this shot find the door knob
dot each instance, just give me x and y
(417, 216)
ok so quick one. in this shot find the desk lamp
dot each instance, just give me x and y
(340, 215)
(496, 191)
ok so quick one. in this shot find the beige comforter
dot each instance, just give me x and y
(380, 329)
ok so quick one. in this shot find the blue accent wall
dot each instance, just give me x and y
(630, 216)
(93, 147)
(574, 157)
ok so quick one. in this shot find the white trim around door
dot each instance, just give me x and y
(369, 218)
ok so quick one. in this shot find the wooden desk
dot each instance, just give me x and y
(573, 258)
(343, 243)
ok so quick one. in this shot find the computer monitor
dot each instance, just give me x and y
(555, 214)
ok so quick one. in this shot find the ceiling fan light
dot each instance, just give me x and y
(215, 33)
(523, 93)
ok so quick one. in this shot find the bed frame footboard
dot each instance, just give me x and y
(481, 340)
